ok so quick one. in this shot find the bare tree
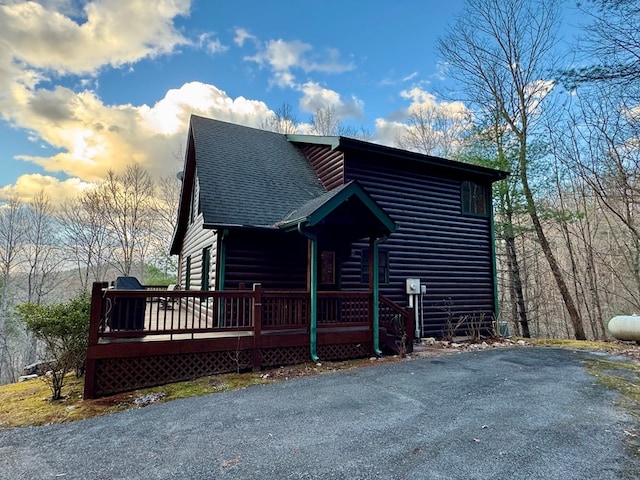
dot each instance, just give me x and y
(165, 208)
(41, 252)
(597, 141)
(125, 202)
(326, 122)
(282, 120)
(11, 244)
(612, 45)
(86, 237)
(501, 52)
(41, 247)
(434, 129)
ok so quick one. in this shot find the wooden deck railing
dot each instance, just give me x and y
(344, 307)
(285, 309)
(144, 313)
(179, 314)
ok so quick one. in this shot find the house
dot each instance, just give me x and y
(252, 199)
(298, 247)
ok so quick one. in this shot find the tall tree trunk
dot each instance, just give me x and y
(574, 315)
(516, 286)
(516, 277)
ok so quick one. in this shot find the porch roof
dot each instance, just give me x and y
(354, 200)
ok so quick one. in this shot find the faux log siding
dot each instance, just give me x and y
(276, 260)
(448, 251)
(195, 240)
(328, 164)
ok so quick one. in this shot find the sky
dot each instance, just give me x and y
(87, 86)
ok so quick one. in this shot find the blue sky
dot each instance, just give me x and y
(88, 86)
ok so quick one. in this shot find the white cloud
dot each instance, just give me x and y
(213, 46)
(393, 80)
(58, 191)
(423, 99)
(387, 132)
(409, 77)
(283, 57)
(426, 124)
(536, 92)
(316, 97)
(111, 32)
(242, 35)
(93, 137)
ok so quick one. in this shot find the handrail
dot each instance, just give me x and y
(141, 313)
(400, 323)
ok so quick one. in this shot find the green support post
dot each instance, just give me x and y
(313, 294)
(376, 296)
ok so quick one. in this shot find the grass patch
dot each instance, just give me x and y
(621, 376)
(576, 344)
(624, 377)
(29, 403)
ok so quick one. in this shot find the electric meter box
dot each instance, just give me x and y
(413, 286)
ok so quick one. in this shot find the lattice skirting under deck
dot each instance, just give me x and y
(345, 351)
(114, 375)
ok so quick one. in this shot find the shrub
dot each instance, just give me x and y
(63, 328)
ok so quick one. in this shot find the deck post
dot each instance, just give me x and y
(95, 317)
(256, 354)
(312, 288)
(96, 310)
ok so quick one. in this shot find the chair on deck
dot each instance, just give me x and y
(167, 303)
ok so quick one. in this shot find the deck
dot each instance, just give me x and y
(140, 338)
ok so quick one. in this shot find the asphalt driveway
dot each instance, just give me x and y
(528, 413)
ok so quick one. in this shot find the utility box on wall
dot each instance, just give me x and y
(413, 286)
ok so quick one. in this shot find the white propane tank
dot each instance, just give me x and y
(625, 327)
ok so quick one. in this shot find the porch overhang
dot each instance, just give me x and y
(348, 209)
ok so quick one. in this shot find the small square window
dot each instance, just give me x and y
(474, 199)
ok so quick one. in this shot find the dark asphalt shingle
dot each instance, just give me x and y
(247, 176)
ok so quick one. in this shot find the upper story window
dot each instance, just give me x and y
(474, 199)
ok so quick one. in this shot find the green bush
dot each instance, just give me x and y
(63, 328)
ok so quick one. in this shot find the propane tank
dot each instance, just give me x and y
(625, 327)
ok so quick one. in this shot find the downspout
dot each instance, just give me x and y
(313, 287)
(222, 259)
(496, 306)
(376, 296)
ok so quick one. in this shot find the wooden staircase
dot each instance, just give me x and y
(396, 327)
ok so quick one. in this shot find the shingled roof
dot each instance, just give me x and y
(249, 177)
